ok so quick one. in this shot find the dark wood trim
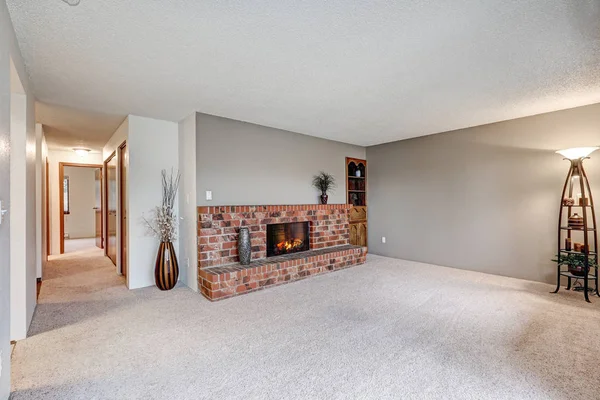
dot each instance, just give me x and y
(105, 203)
(61, 208)
(122, 222)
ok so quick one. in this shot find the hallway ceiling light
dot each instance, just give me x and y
(81, 152)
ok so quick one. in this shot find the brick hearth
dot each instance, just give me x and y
(219, 283)
(219, 273)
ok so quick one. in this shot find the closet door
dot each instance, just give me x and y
(111, 207)
(124, 171)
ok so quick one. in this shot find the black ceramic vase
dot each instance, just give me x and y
(244, 246)
(324, 198)
(166, 271)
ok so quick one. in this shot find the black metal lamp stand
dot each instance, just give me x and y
(577, 181)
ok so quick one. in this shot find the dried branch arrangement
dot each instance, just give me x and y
(163, 223)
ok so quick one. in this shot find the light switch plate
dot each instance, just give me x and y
(209, 195)
(383, 239)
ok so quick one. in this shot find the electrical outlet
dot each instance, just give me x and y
(383, 239)
(187, 262)
(209, 195)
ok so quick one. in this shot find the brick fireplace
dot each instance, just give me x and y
(221, 276)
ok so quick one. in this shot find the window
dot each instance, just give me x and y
(66, 195)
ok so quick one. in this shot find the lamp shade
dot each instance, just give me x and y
(576, 153)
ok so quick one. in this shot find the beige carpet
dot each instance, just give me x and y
(76, 245)
(387, 330)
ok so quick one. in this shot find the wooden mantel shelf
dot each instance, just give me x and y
(271, 208)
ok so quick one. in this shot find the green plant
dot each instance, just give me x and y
(324, 182)
(575, 260)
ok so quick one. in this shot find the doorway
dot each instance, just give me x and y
(79, 203)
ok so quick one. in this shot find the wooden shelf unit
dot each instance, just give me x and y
(356, 194)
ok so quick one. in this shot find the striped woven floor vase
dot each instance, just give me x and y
(166, 271)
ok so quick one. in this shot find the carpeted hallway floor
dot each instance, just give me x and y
(74, 245)
(387, 330)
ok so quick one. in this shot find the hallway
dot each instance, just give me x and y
(84, 310)
(77, 289)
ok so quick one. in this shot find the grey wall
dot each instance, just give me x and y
(484, 198)
(243, 163)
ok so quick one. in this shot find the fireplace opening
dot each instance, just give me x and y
(287, 238)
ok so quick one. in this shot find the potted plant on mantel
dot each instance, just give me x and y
(324, 183)
(163, 225)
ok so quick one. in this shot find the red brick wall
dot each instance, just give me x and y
(218, 228)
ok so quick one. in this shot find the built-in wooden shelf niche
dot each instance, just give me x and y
(356, 195)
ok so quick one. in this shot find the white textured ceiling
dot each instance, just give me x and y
(362, 72)
(67, 127)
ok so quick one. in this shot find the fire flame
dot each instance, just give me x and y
(289, 245)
